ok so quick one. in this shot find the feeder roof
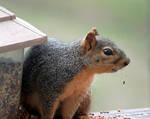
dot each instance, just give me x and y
(16, 33)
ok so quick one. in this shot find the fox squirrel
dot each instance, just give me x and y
(57, 76)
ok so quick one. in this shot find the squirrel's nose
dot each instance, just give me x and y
(127, 62)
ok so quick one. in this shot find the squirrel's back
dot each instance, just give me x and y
(54, 60)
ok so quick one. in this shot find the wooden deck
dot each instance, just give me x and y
(141, 113)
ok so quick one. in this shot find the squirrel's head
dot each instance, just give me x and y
(102, 54)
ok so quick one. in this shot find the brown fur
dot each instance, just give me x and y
(34, 101)
(78, 86)
(53, 111)
(74, 92)
(82, 112)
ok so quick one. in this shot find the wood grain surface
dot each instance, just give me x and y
(139, 113)
(6, 15)
(15, 33)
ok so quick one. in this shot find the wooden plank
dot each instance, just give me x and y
(16, 33)
(141, 113)
(15, 36)
(29, 26)
(7, 11)
(6, 15)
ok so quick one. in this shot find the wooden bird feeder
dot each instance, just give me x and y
(15, 35)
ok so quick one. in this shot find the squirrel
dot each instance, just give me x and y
(57, 76)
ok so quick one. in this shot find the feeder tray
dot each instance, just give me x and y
(15, 35)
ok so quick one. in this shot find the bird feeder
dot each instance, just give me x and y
(15, 35)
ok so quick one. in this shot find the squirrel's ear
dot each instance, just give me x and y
(89, 41)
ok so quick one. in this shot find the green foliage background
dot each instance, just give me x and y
(124, 21)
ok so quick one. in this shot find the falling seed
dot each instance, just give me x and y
(123, 82)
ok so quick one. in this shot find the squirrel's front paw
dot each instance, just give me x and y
(83, 117)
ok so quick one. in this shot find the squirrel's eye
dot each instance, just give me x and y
(108, 51)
